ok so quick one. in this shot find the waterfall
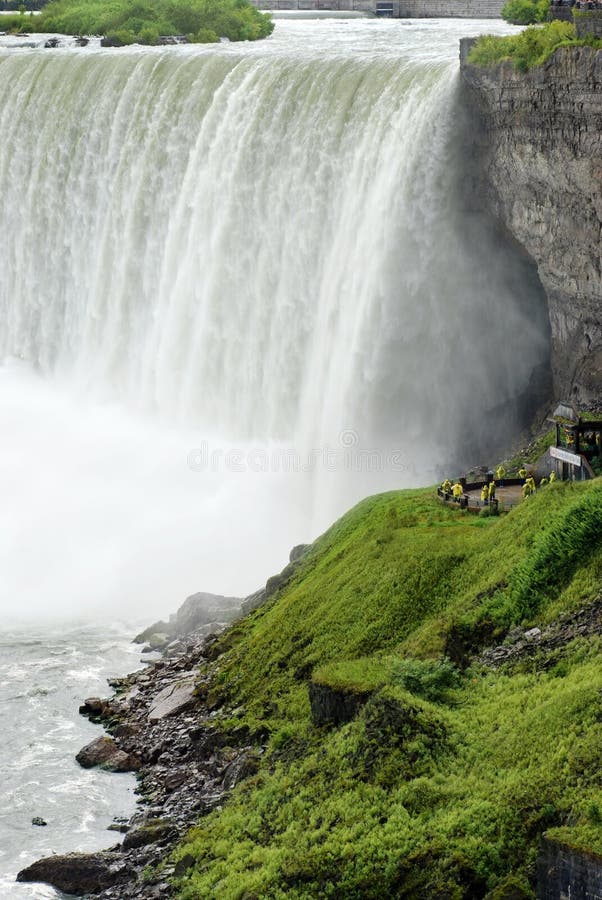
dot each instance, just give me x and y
(262, 246)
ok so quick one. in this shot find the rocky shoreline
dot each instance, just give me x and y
(162, 725)
(161, 729)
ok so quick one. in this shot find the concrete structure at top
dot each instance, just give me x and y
(395, 9)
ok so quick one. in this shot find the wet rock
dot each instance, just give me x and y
(111, 41)
(38, 820)
(77, 873)
(174, 780)
(253, 601)
(203, 609)
(277, 582)
(158, 640)
(95, 708)
(105, 753)
(298, 552)
(152, 832)
(242, 767)
(156, 628)
(334, 706)
(182, 866)
(172, 700)
(545, 644)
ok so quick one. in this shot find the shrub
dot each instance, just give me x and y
(149, 34)
(142, 21)
(431, 680)
(205, 36)
(530, 48)
(525, 12)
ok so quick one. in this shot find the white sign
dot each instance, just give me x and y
(565, 456)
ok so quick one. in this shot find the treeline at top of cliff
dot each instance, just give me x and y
(125, 22)
(530, 48)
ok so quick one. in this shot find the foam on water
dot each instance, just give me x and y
(41, 733)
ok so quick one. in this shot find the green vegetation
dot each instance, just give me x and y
(443, 783)
(525, 12)
(530, 455)
(141, 21)
(531, 47)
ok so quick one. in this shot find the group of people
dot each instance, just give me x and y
(529, 486)
(488, 489)
(488, 493)
(456, 491)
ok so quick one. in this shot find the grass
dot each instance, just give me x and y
(125, 22)
(528, 49)
(446, 779)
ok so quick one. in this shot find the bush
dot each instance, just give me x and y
(142, 21)
(431, 680)
(205, 36)
(530, 48)
(525, 12)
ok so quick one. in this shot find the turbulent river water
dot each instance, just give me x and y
(44, 673)
(239, 290)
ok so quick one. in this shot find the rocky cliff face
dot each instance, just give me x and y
(535, 163)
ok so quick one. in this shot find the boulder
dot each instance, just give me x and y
(95, 708)
(198, 610)
(253, 601)
(151, 832)
(105, 753)
(240, 768)
(202, 609)
(159, 627)
(298, 551)
(334, 706)
(77, 873)
(172, 699)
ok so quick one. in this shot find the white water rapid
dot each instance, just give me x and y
(212, 261)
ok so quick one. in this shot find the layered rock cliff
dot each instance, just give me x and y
(535, 163)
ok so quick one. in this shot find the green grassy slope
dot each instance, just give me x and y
(443, 783)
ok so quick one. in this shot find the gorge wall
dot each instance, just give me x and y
(535, 163)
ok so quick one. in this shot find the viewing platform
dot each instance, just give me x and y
(574, 455)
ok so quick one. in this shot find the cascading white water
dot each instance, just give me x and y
(255, 248)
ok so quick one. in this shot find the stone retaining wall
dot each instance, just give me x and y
(397, 9)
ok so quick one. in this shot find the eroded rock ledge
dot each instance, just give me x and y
(535, 162)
